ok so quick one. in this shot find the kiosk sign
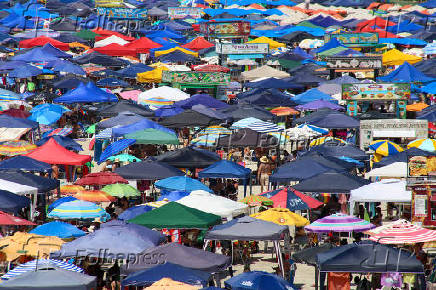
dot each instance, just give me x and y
(182, 12)
(231, 29)
(381, 91)
(354, 63)
(244, 48)
(354, 39)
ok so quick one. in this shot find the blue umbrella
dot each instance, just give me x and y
(77, 209)
(45, 117)
(39, 263)
(167, 111)
(112, 82)
(115, 148)
(168, 270)
(134, 211)
(172, 195)
(58, 229)
(257, 280)
(183, 183)
(50, 107)
(25, 71)
(59, 201)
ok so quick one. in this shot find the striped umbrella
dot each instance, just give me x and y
(16, 147)
(322, 140)
(205, 140)
(115, 148)
(8, 96)
(77, 209)
(339, 222)
(105, 134)
(37, 263)
(385, 147)
(264, 127)
(255, 200)
(402, 232)
(71, 189)
(313, 128)
(423, 144)
(59, 131)
(121, 190)
(217, 130)
(156, 103)
(94, 196)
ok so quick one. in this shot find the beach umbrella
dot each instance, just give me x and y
(322, 140)
(71, 189)
(170, 284)
(121, 190)
(284, 111)
(291, 199)
(58, 229)
(40, 263)
(281, 216)
(58, 131)
(100, 178)
(183, 183)
(257, 280)
(59, 201)
(77, 209)
(10, 220)
(124, 158)
(94, 196)
(402, 232)
(214, 130)
(255, 200)
(134, 211)
(157, 204)
(205, 140)
(385, 147)
(339, 222)
(423, 144)
(45, 117)
(16, 147)
(153, 136)
(115, 148)
(313, 128)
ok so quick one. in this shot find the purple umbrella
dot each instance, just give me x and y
(319, 104)
(339, 222)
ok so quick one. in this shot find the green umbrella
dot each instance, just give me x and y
(124, 158)
(121, 190)
(153, 136)
(87, 34)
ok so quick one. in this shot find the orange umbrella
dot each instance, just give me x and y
(78, 45)
(416, 107)
(71, 189)
(94, 196)
(284, 111)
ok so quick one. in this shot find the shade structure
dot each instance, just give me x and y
(189, 157)
(339, 223)
(115, 49)
(368, 257)
(41, 41)
(225, 169)
(344, 183)
(88, 93)
(16, 147)
(53, 153)
(94, 196)
(121, 190)
(396, 169)
(272, 43)
(385, 147)
(115, 147)
(49, 277)
(318, 104)
(71, 189)
(21, 243)
(174, 215)
(58, 229)
(402, 232)
(247, 229)
(142, 124)
(322, 140)
(309, 255)
(124, 158)
(77, 209)
(101, 178)
(211, 203)
(198, 43)
(10, 220)
(284, 111)
(255, 200)
(125, 106)
(143, 45)
(42, 184)
(406, 73)
(134, 211)
(153, 136)
(300, 169)
(148, 169)
(168, 270)
(396, 57)
(11, 202)
(39, 263)
(257, 280)
(291, 199)
(16, 113)
(424, 144)
(281, 216)
(180, 255)
(417, 107)
(183, 183)
(139, 239)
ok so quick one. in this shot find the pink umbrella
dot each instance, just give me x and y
(402, 232)
(130, 95)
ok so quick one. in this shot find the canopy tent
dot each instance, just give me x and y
(189, 157)
(242, 111)
(88, 93)
(211, 203)
(41, 41)
(318, 104)
(339, 150)
(406, 73)
(262, 72)
(143, 45)
(198, 43)
(272, 43)
(183, 183)
(225, 169)
(42, 184)
(309, 255)
(115, 49)
(176, 216)
(148, 169)
(190, 118)
(53, 153)
(24, 163)
(311, 96)
(201, 99)
(180, 255)
(247, 137)
(300, 169)
(396, 169)
(170, 93)
(368, 257)
(344, 183)
(11, 202)
(396, 57)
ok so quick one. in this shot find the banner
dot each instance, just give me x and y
(354, 39)
(225, 29)
(381, 91)
(354, 62)
(196, 78)
(244, 48)
(122, 13)
(182, 12)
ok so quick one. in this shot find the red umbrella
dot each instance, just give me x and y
(100, 178)
(16, 113)
(10, 220)
(290, 198)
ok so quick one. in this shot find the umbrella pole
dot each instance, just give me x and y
(316, 278)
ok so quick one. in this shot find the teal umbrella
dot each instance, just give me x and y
(124, 158)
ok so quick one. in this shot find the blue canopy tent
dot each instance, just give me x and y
(66, 142)
(58, 229)
(298, 170)
(177, 56)
(273, 83)
(68, 67)
(343, 183)
(166, 34)
(406, 73)
(24, 163)
(149, 169)
(312, 95)
(132, 70)
(140, 125)
(69, 82)
(403, 41)
(336, 120)
(88, 93)
(172, 195)
(25, 71)
(267, 98)
(134, 211)
(11, 122)
(333, 43)
(35, 55)
(10, 202)
(201, 99)
(112, 82)
(43, 184)
(51, 50)
(181, 183)
(339, 150)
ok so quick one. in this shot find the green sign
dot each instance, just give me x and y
(354, 39)
(196, 78)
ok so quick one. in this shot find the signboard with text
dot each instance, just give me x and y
(380, 91)
(122, 13)
(196, 78)
(243, 48)
(182, 12)
(354, 39)
(354, 62)
(231, 29)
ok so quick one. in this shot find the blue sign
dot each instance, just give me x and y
(124, 13)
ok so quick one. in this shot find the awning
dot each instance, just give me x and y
(245, 56)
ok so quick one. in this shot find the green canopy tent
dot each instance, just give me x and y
(174, 215)
(153, 136)
(87, 34)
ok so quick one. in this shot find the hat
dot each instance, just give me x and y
(264, 159)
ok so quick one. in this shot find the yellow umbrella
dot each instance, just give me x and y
(322, 140)
(282, 216)
(30, 245)
(385, 147)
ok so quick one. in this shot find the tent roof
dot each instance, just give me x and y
(53, 153)
(125, 106)
(396, 57)
(225, 169)
(242, 111)
(312, 95)
(43, 184)
(397, 169)
(262, 72)
(174, 215)
(41, 41)
(189, 118)
(406, 73)
(58, 229)
(148, 170)
(344, 183)
(114, 49)
(201, 99)
(189, 157)
(300, 169)
(198, 43)
(88, 93)
(272, 43)
(143, 45)
(247, 137)
(24, 163)
(387, 190)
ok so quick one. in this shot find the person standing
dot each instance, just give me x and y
(263, 172)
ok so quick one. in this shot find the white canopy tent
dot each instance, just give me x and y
(396, 169)
(263, 71)
(165, 92)
(211, 203)
(386, 190)
(21, 189)
(109, 40)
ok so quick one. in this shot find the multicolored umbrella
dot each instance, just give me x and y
(423, 144)
(71, 189)
(322, 140)
(37, 263)
(16, 147)
(77, 209)
(339, 222)
(94, 196)
(281, 216)
(124, 158)
(121, 190)
(205, 140)
(101, 178)
(115, 148)
(256, 200)
(313, 128)
(156, 103)
(214, 130)
(59, 131)
(284, 111)
(402, 232)
(292, 199)
(385, 147)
